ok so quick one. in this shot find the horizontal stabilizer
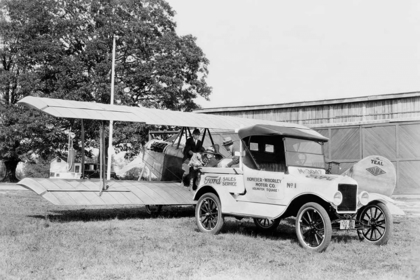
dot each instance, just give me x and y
(86, 192)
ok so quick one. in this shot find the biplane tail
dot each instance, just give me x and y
(374, 174)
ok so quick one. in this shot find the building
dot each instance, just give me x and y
(386, 125)
(60, 169)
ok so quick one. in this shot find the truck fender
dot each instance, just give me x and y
(389, 202)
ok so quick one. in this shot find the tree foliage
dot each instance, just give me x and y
(62, 49)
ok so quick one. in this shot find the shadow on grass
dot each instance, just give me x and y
(87, 215)
(246, 227)
(285, 231)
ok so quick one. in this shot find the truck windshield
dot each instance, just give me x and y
(306, 153)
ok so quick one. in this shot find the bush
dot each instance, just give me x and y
(36, 170)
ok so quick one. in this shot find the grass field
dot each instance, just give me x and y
(41, 241)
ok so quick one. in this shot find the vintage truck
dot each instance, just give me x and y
(282, 173)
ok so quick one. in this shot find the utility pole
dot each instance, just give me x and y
(111, 128)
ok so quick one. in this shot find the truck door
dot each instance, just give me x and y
(264, 168)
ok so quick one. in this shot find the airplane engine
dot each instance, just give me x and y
(374, 174)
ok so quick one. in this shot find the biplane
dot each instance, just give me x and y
(281, 173)
(163, 159)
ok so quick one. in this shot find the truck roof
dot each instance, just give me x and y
(271, 130)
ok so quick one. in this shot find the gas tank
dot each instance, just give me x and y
(374, 174)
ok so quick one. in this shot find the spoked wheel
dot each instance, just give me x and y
(313, 227)
(376, 224)
(208, 214)
(267, 225)
(153, 209)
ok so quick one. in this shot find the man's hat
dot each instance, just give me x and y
(196, 131)
(227, 141)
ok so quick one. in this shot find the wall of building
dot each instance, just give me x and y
(399, 142)
(367, 109)
(386, 125)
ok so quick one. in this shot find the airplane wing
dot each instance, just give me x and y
(98, 111)
(85, 192)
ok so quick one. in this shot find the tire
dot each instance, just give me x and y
(208, 214)
(153, 209)
(266, 225)
(376, 224)
(313, 227)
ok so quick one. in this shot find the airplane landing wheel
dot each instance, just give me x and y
(153, 209)
(266, 225)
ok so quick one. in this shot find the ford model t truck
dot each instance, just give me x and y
(282, 173)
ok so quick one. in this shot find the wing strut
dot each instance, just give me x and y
(102, 181)
(211, 138)
(83, 148)
(180, 137)
(204, 135)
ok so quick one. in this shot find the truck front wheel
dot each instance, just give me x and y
(208, 214)
(313, 227)
(376, 223)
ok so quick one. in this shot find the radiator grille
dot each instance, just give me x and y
(349, 197)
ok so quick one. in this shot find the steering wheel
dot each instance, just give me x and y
(301, 159)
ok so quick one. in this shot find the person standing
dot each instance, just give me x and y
(192, 145)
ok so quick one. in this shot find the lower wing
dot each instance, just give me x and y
(87, 192)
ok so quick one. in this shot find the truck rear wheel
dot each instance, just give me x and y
(376, 224)
(208, 214)
(313, 227)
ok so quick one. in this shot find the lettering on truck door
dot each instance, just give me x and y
(264, 168)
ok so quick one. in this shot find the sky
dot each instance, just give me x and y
(275, 51)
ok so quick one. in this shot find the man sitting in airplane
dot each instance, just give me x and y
(211, 158)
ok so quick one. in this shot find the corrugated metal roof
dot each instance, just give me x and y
(324, 102)
(98, 111)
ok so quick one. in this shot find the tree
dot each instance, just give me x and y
(62, 49)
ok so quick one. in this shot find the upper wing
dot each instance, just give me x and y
(98, 111)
